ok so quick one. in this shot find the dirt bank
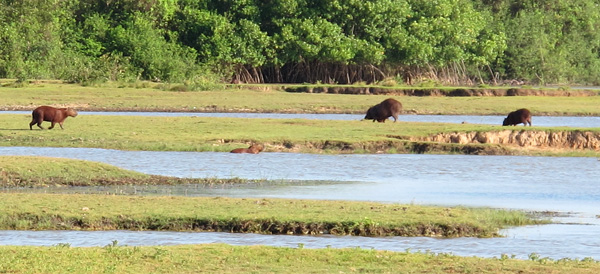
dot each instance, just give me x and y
(504, 142)
(459, 92)
(523, 138)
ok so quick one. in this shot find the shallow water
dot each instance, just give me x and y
(555, 241)
(564, 184)
(546, 121)
(521, 182)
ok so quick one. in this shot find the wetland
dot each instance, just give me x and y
(317, 150)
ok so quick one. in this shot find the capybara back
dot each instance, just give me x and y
(253, 149)
(50, 114)
(388, 108)
(520, 116)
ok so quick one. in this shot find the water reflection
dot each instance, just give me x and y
(545, 121)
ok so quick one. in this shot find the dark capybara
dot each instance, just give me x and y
(50, 114)
(384, 110)
(517, 117)
(254, 149)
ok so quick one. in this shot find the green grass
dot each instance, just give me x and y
(28, 211)
(47, 168)
(270, 98)
(33, 171)
(220, 258)
(224, 134)
(277, 216)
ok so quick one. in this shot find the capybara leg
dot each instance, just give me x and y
(31, 125)
(61, 127)
(51, 126)
(40, 125)
(395, 118)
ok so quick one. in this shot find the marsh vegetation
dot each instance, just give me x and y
(271, 216)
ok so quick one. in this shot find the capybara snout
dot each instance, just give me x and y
(253, 149)
(520, 116)
(52, 115)
(382, 111)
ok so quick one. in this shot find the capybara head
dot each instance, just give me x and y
(371, 114)
(517, 117)
(71, 112)
(256, 148)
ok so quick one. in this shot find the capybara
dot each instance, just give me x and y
(254, 149)
(50, 114)
(517, 117)
(382, 111)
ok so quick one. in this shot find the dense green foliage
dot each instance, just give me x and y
(342, 41)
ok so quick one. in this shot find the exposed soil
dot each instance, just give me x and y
(580, 140)
(504, 142)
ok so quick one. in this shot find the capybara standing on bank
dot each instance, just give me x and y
(517, 117)
(384, 110)
(254, 149)
(50, 114)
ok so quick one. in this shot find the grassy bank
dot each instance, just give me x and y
(272, 216)
(219, 258)
(224, 134)
(31, 171)
(147, 97)
(24, 211)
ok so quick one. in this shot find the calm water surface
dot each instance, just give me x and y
(565, 184)
(555, 241)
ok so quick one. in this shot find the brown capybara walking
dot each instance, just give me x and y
(50, 114)
(517, 117)
(254, 149)
(382, 111)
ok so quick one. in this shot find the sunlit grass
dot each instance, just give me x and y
(27, 211)
(221, 258)
(39, 172)
(30, 168)
(224, 134)
(270, 98)
(188, 133)
(277, 216)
